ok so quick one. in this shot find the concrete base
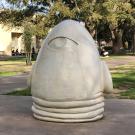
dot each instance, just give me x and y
(16, 119)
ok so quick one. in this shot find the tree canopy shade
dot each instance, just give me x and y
(103, 17)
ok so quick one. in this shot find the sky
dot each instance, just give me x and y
(4, 4)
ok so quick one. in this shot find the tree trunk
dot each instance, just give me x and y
(28, 58)
(117, 41)
(38, 43)
(133, 43)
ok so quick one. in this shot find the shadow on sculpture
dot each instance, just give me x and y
(68, 78)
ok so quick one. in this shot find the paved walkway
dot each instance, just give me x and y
(12, 83)
(120, 61)
(16, 119)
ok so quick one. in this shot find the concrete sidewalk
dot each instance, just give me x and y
(12, 83)
(16, 119)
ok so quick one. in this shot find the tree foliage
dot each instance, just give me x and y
(111, 18)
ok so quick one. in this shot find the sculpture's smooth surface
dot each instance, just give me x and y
(68, 78)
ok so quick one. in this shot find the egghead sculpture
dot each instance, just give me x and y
(68, 78)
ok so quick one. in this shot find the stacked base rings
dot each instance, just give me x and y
(68, 111)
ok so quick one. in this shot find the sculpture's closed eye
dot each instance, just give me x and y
(60, 42)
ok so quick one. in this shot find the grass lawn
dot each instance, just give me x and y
(129, 94)
(2, 74)
(12, 66)
(23, 92)
(123, 77)
(123, 74)
(124, 80)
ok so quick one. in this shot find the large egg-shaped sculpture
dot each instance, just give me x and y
(68, 78)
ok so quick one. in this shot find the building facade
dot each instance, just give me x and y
(10, 39)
